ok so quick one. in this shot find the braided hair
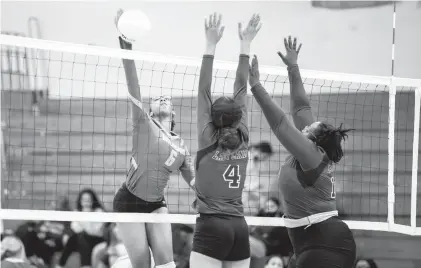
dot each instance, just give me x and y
(329, 138)
(226, 114)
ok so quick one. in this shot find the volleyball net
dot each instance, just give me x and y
(81, 136)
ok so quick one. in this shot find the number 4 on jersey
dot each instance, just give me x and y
(232, 176)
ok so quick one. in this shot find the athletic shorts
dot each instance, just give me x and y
(324, 245)
(125, 201)
(222, 237)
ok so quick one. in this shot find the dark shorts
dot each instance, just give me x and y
(225, 238)
(324, 245)
(125, 201)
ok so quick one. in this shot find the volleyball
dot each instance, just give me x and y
(134, 24)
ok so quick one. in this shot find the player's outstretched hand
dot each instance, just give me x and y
(290, 58)
(214, 29)
(126, 44)
(254, 75)
(253, 27)
(117, 16)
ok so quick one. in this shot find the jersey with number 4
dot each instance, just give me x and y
(156, 154)
(299, 199)
(220, 181)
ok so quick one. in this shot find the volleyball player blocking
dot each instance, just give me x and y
(221, 238)
(306, 184)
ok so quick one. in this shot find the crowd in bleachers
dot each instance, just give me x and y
(49, 244)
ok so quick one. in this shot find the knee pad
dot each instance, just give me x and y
(167, 265)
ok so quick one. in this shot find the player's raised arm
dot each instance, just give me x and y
(214, 31)
(246, 36)
(291, 138)
(138, 112)
(187, 168)
(300, 105)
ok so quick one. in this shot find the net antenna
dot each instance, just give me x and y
(391, 142)
(79, 72)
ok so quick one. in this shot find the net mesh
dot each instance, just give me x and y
(81, 135)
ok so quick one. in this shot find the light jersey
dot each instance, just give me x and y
(220, 181)
(155, 155)
(300, 199)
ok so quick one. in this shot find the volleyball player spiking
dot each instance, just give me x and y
(306, 183)
(221, 237)
(157, 152)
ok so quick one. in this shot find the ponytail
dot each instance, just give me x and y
(331, 141)
(229, 138)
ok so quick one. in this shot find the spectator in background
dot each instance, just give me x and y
(105, 254)
(182, 244)
(259, 155)
(13, 253)
(274, 261)
(43, 239)
(275, 239)
(86, 234)
(365, 263)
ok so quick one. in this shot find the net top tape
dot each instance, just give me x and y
(223, 65)
(22, 214)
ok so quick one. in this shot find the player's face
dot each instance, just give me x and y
(275, 262)
(161, 106)
(311, 130)
(259, 159)
(362, 264)
(86, 201)
(271, 206)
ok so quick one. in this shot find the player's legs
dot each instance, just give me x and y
(239, 255)
(198, 260)
(160, 240)
(135, 240)
(133, 235)
(236, 264)
(327, 244)
(212, 241)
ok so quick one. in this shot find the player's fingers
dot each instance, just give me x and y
(118, 15)
(219, 20)
(294, 44)
(258, 27)
(240, 30)
(221, 31)
(289, 42)
(281, 55)
(299, 47)
(286, 44)
(251, 20)
(210, 20)
(256, 62)
(214, 19)
(206, 24)
(257, 20)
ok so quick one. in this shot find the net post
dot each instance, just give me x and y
(391, 156)
(414, 182)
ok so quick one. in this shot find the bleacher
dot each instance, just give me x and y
(81, 143)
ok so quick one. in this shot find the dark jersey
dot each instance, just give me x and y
(156, 153)
(220, 175)
(305, 181)
(220, 181)
(300, 198)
